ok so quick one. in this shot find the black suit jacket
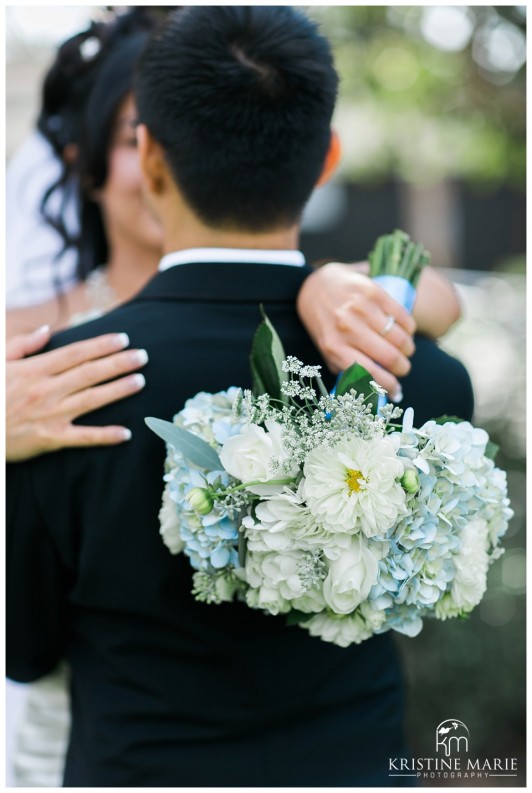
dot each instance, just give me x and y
(167, 691)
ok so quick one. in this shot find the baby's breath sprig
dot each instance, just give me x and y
(312, 569)
(204, 588)
(216, 587)
(300, 385)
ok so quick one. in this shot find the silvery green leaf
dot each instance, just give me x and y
(196, 450)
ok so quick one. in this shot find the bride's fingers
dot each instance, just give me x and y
(396, 335)
(359, 312)
(93, 398)
(98, 371)
(360, 331)
(28, 343)
(79, 352)
(76, 435)
(391, 307)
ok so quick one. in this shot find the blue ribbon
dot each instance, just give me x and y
(399, 288)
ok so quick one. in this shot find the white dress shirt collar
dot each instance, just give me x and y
(232, 255)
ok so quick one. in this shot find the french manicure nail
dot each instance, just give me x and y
(43, 330)
(122, 340)
(398, 395)
(139, 380)
(125, 434)
(140, 356)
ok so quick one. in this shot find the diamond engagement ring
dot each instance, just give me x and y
(388, 325)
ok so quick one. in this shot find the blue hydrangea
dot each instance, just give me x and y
(210, 541)
(458, 485)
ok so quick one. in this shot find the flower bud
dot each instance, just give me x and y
(200, 500)
(410, 481)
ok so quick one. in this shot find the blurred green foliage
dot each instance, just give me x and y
(429, 92)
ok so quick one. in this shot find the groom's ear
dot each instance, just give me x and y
(332, 159)
(152, 161)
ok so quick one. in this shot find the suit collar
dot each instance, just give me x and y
(231, 282)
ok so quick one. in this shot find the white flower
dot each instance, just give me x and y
(312, 601)
(378, 388)
(274, 581)
(268, 599)
(276, 570)
(169, 521)
(346, 630)
(351, 576)
(354, 485)
(472, 562)
(460, 448)
(471, 569)
(283, 521)
(249, 456)
(496, 509)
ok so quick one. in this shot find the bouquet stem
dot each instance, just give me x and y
(396, 263)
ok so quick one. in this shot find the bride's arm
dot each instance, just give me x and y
(345, 313)
(437, 305)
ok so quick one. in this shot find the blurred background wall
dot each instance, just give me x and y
(432, 121)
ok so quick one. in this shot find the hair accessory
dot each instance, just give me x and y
(90, 48)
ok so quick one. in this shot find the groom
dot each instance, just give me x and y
(235, 105)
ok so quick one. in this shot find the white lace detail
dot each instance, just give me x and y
(100, 296)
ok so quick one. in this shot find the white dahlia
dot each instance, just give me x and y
(354, 486)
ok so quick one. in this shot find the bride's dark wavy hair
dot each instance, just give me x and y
(91, 75)
(112, 85)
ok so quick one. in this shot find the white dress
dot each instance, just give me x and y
(33, 248)
(42, 736)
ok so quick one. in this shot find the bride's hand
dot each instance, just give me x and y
(345, 313)
(47, 392)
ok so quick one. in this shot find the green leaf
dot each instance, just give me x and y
(448, 420)
(358, 379)
(196, 451)
(267, 356)
(492, 450)
(296, 617)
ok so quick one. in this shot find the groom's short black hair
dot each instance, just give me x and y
(240, 99)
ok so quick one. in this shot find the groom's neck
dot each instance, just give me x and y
(284, 240)
(183, 229)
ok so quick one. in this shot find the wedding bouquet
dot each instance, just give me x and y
(326, 508)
